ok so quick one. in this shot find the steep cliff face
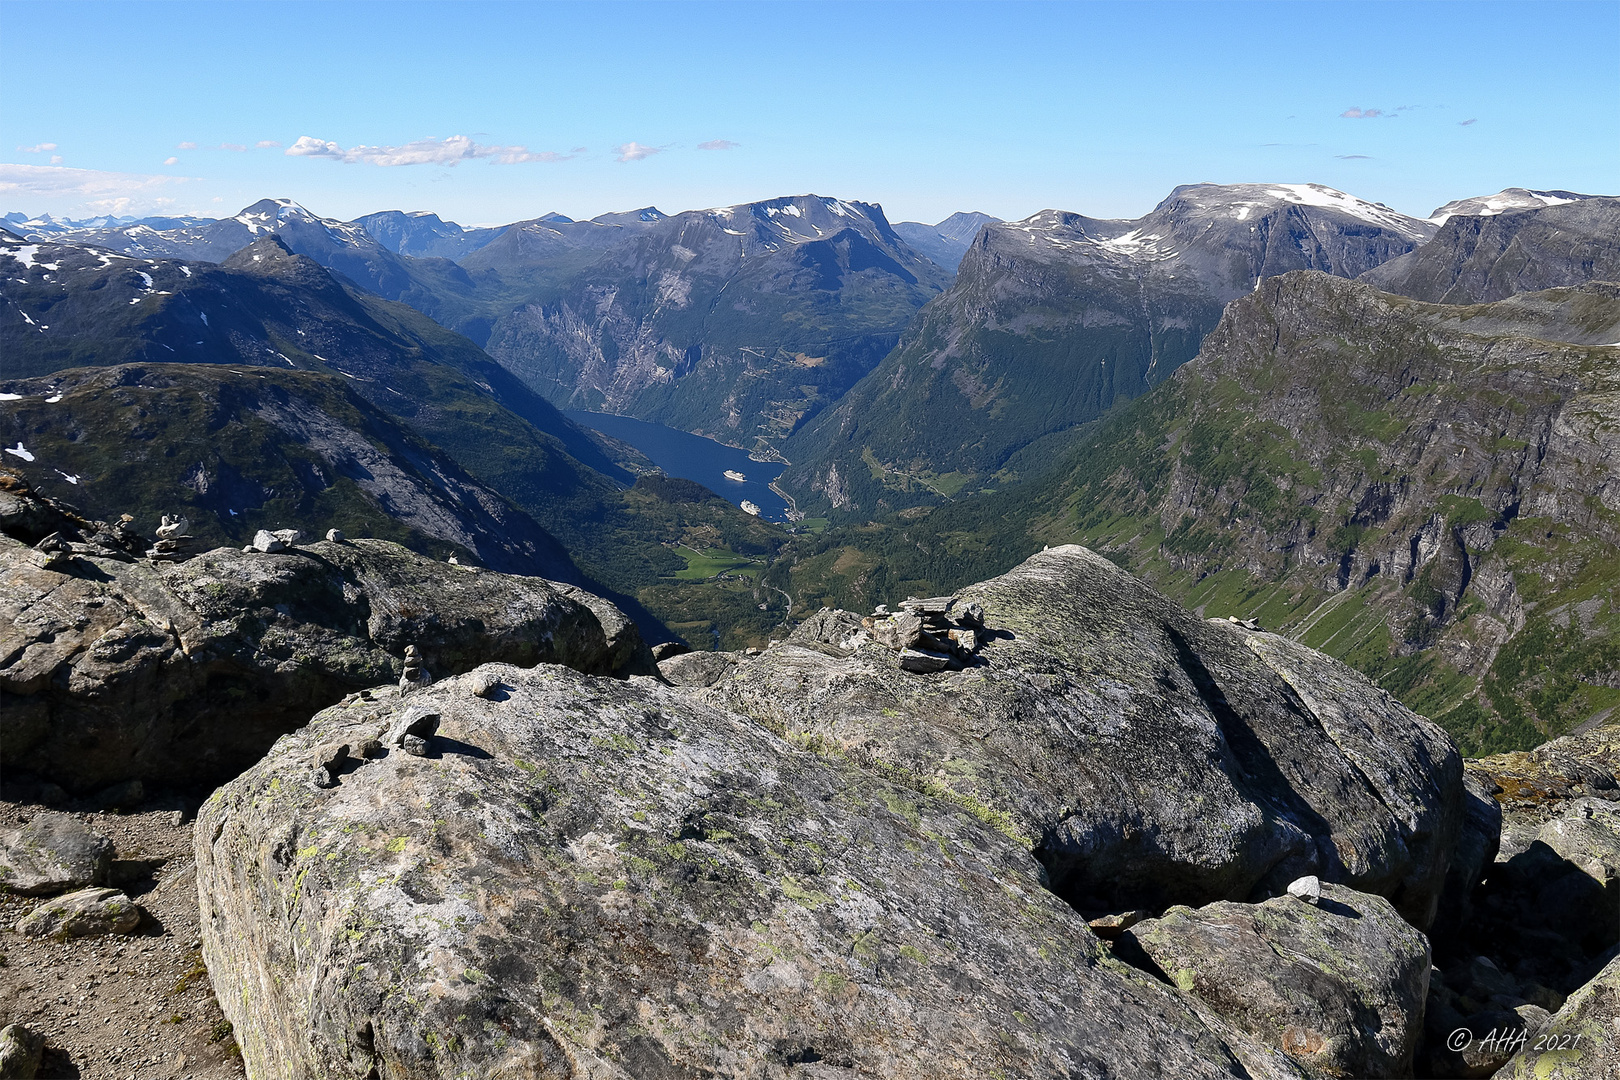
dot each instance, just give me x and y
(1055, 318)
(1476, 258)
(736, 322)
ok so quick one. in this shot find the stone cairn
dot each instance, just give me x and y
(174, 543)
(415, 676)
(936, 634)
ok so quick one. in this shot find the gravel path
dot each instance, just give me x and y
(118, 1007)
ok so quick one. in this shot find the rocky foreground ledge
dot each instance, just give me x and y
(1120, 841)
(116, 667)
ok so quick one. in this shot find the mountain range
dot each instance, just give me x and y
(1371, 478)
(1053, 319)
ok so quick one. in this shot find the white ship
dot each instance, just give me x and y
(750, 508)
(733, 474)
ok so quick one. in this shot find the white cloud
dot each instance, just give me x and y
(112, 206)
(1355, 113)
(450, 151)
(267, 144)
(40, 148)
(234, 147)
(718, 144)
(171, 161)
(64, 188)
(634, 151)
(56, 159)
(186, 146)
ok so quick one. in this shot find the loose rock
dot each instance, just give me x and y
(697, 668)
(1308, 889)
(51, 854)
(418, 721)
(484, 684)
(266, 541)
(86, 913)
(1339, 987)
(666, 649)
(923, 663)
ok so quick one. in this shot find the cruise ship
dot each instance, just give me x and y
(733, 474)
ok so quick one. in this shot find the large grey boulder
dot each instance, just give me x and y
(1147, 756)
(53, 853)
(1339, 984)
(595, 878)
(185, 673)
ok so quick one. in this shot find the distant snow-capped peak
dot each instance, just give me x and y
(1513, 198)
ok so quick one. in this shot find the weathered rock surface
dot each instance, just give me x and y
(86, 913)
(51, 854)
(21, 1049)
(1583, 1040)
(627, 653)
(1148, 756)
(697, 668)
(1339, 984)
(184, 673)
(593, 878)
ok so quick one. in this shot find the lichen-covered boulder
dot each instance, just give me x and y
(86, 913)
(1150, 757)
(1583, 1040)
(583, 877)
(1338, 984)
(21, 1049)
(51, 854)
(181, 673)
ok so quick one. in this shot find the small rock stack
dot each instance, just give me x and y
(415, 676)
(174, 544)
(935, 634)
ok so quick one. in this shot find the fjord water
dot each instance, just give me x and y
(692, 457)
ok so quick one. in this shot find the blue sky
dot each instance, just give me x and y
(1007, 108)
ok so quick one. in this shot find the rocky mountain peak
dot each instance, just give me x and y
(1251, 202)
(644, 216)
(1508, 199)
